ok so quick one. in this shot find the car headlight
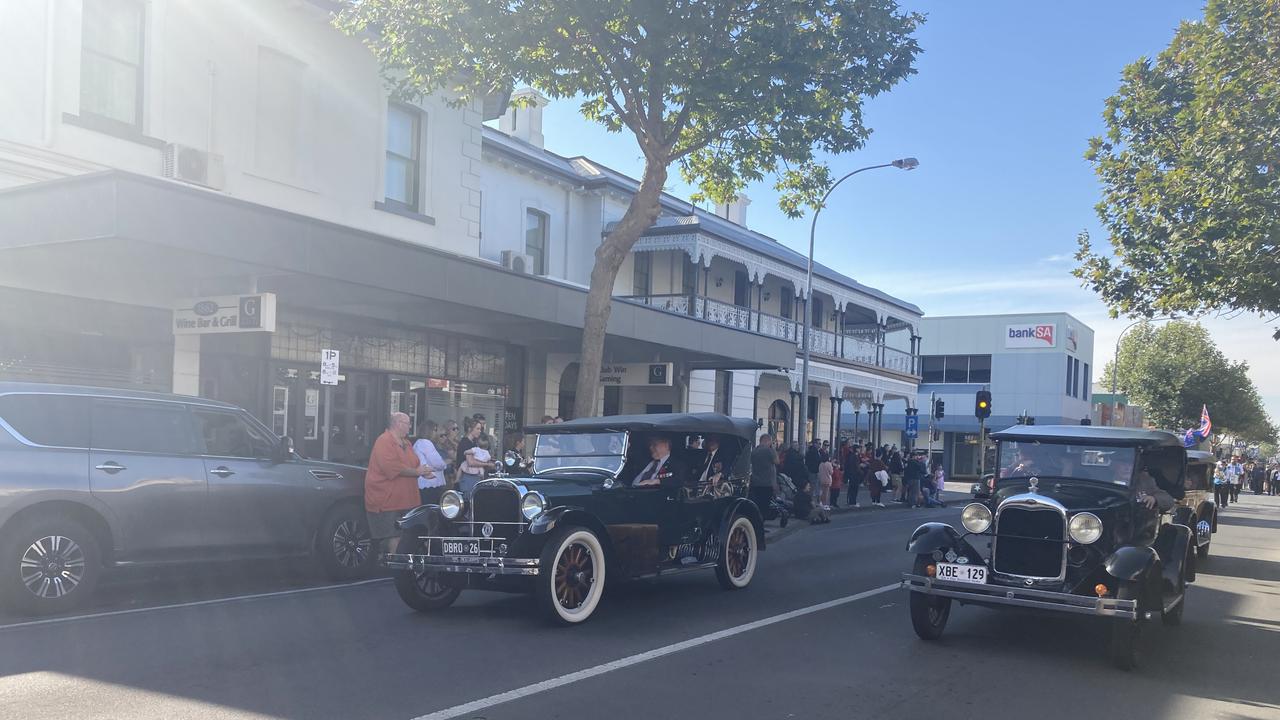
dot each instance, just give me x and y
(451, 504)
(1085, 528)
(532, 505)
(976, 518)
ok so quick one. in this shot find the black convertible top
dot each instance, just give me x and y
(1202, 457)
(664, 422)
(1089, 434)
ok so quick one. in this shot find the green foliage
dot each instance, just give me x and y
(1190, 168)
(1174, 369)
(731, 90)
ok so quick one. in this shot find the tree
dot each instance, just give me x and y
(1174, 370)
(728, 90)
(1190, 169)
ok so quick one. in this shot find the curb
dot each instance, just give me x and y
(796, 525)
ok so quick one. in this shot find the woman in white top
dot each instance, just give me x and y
(430, 487)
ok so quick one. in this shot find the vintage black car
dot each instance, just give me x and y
(577, 518)
(1197, 509)
(1080, 521)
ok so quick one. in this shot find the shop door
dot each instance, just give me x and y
(354, 424)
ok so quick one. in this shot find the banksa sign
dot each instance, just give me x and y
(1042, 335)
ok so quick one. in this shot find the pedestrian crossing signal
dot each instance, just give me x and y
(982, 405)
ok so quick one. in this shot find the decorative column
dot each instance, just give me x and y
(840, 331)
(792, 411)
(836, 402)
(759, 300)
(755, 406)
(857, 423)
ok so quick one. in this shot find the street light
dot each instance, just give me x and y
(909, 163)
(1115, 360)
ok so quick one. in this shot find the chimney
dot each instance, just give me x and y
(736, 211)
(524, 121)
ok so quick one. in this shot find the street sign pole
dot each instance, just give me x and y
(933, 410)
(328, 378)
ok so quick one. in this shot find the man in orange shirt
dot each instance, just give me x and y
(391, 482)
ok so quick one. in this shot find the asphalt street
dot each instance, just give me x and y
(822, 632)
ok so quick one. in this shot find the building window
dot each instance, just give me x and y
(689, 279)
(641, 272)
(785, 302)
(282, 123)
(404, 133)
(111, 61)
(536, 226)
(980, 368)
(741, 289)
(1086, 385)
(816, 316)
(931, 368)
(955, 369)
(724, 391)
(1069, 359)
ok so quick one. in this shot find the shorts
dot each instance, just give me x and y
(382, 525)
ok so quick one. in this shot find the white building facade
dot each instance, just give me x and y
(159, 155)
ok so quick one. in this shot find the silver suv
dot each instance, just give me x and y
(93, 477)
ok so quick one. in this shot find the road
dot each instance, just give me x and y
(821, 633)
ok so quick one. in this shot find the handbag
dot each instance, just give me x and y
(883, 477)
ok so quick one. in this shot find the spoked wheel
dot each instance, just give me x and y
(1125, 633)
(572, 575)
(929, 613)
(48, 565)
(421, 590)
(343, 543)
(737, 563)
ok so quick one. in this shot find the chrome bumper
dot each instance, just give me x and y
(462, 564)
(1023, 597)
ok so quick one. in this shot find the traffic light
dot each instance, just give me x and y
(939, 409)
(982, 405)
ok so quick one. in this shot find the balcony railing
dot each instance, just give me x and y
(822, 342)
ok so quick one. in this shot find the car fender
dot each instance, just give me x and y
(933, 536)
(424, 518)
(1185, 516)
(548, 521)
(748, 509)
(1131, 562)
(1172, 546)
(1208, 512)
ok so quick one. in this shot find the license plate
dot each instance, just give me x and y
(459, 547)
(956, 572)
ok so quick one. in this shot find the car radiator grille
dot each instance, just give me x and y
(1029, 543)
(499, 506)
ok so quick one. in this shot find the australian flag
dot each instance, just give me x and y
(1194, 436)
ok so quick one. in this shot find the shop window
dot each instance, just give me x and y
(141, 427)
(536, 227)
(54, 420)
(111, 61)
(404, 132)
(724, 391)
(280, 409)
(957, 369)
(612, 400)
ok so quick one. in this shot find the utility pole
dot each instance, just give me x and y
(933, 410)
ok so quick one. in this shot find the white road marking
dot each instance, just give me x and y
(625, 662)
(197, 603)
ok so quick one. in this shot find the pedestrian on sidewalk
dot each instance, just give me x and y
(896, 470)
(934, 485)
(877, 471)
(913, 480)
(1221, 485)
(430, 487)
(764, 476)
(812, 459)
(826, 471)
(1236, 473)
(837, 483)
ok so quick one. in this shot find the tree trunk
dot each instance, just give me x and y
(640, 216)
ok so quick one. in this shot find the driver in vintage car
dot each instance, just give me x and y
(662, 469)
(1150, 486)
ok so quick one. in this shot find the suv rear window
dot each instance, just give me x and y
(142, 427)
(58, 420)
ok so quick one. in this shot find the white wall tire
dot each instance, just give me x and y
(571, 576)
(737, 563)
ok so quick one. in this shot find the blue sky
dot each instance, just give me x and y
(999, 114)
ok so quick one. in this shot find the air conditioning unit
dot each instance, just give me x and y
(192, 165)
(518, 262)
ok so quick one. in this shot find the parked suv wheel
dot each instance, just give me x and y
(343, 545)
(48, 564)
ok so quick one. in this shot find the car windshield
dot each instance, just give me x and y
(603, 451)
(1098, 463)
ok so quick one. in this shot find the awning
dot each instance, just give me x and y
(129, 238)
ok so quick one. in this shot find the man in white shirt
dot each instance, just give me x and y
(713, 467)
(431, 485)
